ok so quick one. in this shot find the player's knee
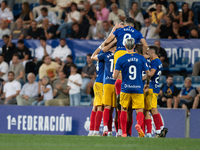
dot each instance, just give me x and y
(154, 111)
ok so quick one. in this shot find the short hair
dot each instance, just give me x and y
(188, 78)
(152, 9)
(75, 23)
(62, 39)
(114, 4)
(62, 72)
(177, 21)
(139, 48)
(105, 22)
(74, 66)
(2, 55)
(70, 56)
(6, 36)
(129, 21)
(43, 38)
(44, 9)
(158, 3)
(184, 4)
(30, 74)
(33, 21)
(43, 58)
(94, 19)
(154, 48)
(89, 54)
(15, 55)
(5, 3)
(170, 76)
(11, 72)
(134, 3)
(73, 3)
(130, 42)
(21, 41)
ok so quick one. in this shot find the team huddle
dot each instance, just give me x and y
(127, 79)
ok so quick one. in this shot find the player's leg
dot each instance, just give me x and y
(129, 121)
(110, 122)
(98, 119)
(116, 122)
(147, 123)
(92, 120)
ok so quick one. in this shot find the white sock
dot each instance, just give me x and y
(158, 131)
(91, 132)
(110, 132)
(105, 129)
(116, 134)
(96, 132)
(162, 128)
(119, 131)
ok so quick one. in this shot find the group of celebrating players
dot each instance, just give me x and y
(127, 78)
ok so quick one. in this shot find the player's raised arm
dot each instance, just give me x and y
(145, 46)
(95, 54)
(111, 44)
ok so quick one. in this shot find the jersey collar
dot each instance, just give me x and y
(130, 52)
(154, 58)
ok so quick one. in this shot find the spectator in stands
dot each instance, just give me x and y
(61, 91)
(86, 14)
(168, 92)
(51, 16)
(3, 68)
(88, 73)
(11, 89)
(186, 95)
(29, 92)
(4, 29)
(196, 103)
(157, 15)
(136, 14)
(34, 32)
(194, 32)
(148, 31)
(5, 12)
(103, 13)
(117, 15)
(18, 69)
(43, 3)
(163, 8)
(76, 32)
(48, 68)
(46, 91)
(105, 30)
(62, 51)
(66, 66)
(74, 85)
(23, 52)
(196, 69)
(164, 29)
(47, 30)
(8, 49)
(172, 11)
(92, 33)
(71, 17)
(177, 31)
(26, 14)
(162, 55)
(60, 6)
(186, 16)
(110, 2)
(19, 32)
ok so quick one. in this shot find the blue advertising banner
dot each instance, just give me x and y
(175, 48)
(72, 120)
(194, 123)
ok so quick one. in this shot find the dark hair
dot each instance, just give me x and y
(89, 54)
(74, 66)
(129, 20)
(105, 22)
(43, 58)
(175, 6)
(155, 48)
(62, 39)
(177, 21)
(2, 55)
(70, 56)
(184, 4)
(15, 55)
(134, 3)
(5, 3)
(44, 9)
(170, 76)
(43, 38)
(74, 5)
(158, 3)
(26, 9)
(11, 72)
(75, 23)
(21, 41)
(152, 9)
(94, 18)
(139, 48)
(6, 36)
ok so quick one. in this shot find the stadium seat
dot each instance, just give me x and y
(80, 61)
(197, 59)
(17, 9)
(179, 5)
(32, 5)
(181, 64)
(86, 100)
(145, 5)
(195, 81)
(178, 81)
(185, 62)
(162, 80)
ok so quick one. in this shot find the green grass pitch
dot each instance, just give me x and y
(61, 142)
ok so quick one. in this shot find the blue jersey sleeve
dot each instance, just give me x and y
(116, 32)
(101, 56)
(154, 65)
(118, 65)
(144, 65)
(140, 36)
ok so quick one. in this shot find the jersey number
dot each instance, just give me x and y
(159, 73)
(111, 65)
(97, 66)
(126, 36)
(132, 72)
